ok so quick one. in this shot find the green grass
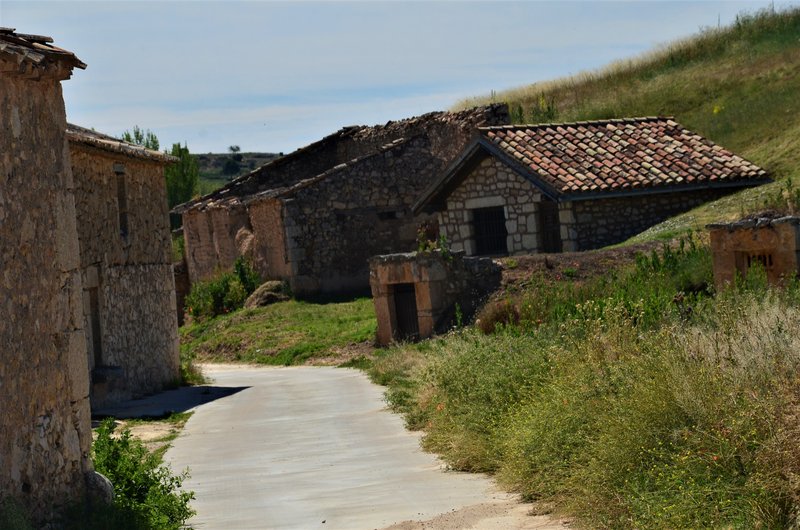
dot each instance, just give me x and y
(284, 333)
(637, 400)
(737, 86)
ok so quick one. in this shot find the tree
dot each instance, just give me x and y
(146, 139)
(182, 176)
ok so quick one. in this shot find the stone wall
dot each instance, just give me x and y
(45, 433)
(591, 224)
(269, 248)
(773, 244)
(210, 240)
(583, 225)
(335, 225)
(441, 282)
(492, 183)
(128, 282)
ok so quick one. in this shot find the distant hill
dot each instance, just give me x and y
(217, 169)
(738, 86)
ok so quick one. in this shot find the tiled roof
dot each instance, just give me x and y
(82, 135)
(36, 50)
(618, 155)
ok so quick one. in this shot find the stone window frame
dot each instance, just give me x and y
(494, 201)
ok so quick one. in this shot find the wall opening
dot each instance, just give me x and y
(95, 339)
(549, 226)
(746, 260)
(122, 200)
(489, 227)
(405, 310)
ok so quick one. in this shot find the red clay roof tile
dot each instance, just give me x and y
(619, 154)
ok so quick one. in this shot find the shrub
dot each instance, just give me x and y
(146, 492)
(496, 315)
(223, 294)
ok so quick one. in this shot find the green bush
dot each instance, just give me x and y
(147, 494)
(223, 294)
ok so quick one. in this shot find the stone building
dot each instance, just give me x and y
(315, 216)
(45, 431)
(769, 242)
(577, 186)
(417, 294)
(126, 266)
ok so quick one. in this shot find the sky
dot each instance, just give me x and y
(275, 76)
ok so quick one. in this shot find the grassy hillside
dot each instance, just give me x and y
(739, 86)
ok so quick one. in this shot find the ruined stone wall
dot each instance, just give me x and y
(441, 283)
(492, 183)
(45, 433)
(596, 223)
(269, 256)
(354, 213)
(210, 239)
(128, 282)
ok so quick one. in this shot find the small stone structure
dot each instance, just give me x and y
(45, 429)
(769, 242)
(418, 294)
(314, 217)
(129, 304)
(577, 186)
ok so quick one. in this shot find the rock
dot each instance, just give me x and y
(268, 293)
(98, 488)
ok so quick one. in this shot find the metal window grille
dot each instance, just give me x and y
(489, 226)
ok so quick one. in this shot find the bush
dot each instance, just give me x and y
(496, 315)
(225, 293)
(147, 494)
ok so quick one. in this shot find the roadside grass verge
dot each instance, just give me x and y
(284, 333)
(638, 400)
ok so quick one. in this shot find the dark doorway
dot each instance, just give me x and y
(490, 231)
(549, 226)
(405, 311)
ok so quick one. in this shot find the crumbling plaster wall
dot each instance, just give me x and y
(45, 433)
(491, 183)
(132, 272)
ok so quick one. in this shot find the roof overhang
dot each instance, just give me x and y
(434, 197)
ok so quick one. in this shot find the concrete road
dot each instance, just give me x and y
(314, 448)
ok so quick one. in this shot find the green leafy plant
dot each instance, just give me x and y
(223, 294)
(147, 493)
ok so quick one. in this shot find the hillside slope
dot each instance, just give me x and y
(738, 86)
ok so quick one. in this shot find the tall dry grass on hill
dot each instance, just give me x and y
(736, 85)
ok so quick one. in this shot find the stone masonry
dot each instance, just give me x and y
(125, 249)
(771, 243)
(45, 431)
(245, 219)
(493, 184)
(436, 285)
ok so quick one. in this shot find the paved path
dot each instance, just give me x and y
(314, 448)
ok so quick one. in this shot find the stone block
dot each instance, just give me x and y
(484, 202)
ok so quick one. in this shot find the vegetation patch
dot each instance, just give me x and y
(283, 333)
(638, 399)
(147, 494)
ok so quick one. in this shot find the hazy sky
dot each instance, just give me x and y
(274, 76)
